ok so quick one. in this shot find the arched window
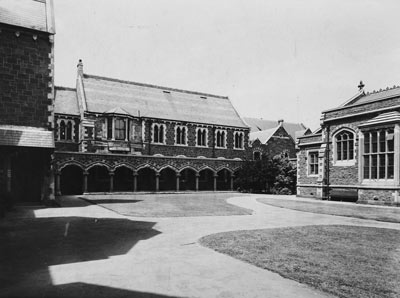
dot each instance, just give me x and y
(344, 146)
(220, 138)
(238, 144)
(201, 137)
(62, 130)
(256, 155)
(181, 135)
(158, 133)
(69, 131)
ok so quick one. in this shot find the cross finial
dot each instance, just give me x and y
(361, 86)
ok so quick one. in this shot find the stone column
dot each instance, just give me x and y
(111, 173)
(58, 188)
(360, 153)
(232, 178)
(215, 181)
(178, 175)
(135, 174)
(197, 181)
(85, 181)
(157, 182)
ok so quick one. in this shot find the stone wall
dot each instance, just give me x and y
(26, 96)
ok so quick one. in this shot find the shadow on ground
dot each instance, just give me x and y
(30, 245)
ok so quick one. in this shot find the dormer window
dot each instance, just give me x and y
(120, 129)
(158, 133)
(238, 140)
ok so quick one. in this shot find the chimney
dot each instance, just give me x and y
(80, 68)
(280, 122)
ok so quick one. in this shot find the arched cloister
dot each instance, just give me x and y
(123, 179)
(98, 179)
(167, 179)
(206, 180)
(146, 179)
(187, 179)
(71, 179)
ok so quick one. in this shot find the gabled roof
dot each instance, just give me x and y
(263, 135)
(32, 14)
(103, 94)
(118, 111)
(65, 101)
(293, 129)
(377, 95)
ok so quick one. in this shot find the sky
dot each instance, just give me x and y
(274, 59)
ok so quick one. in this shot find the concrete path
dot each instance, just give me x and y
(173, 264)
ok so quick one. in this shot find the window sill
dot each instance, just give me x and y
(181, 145)
(312, 175)
(238, 149)
(201, 146)
(220, 147)
(344, 163)
(378, 182)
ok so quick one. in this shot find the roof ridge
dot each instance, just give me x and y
(381, 90)
(154, 86)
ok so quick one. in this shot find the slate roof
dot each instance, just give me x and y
(263, 135)
(389, 117)
(293, 129)
(11, 135)
(377, 95)
(105, 94)
(66, 101)
(32, 14)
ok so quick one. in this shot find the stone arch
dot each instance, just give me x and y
(71, 179)
(167, 178)
(187, 179)
(224, 167)
(206, 178)
(123, 178)
(70, 163)
(98, 178)
(146, 179)
(144, 166)
(98, 164)
(123, 165)
(166, 167)
(207, 168)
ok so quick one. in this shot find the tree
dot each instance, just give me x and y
(268, 175)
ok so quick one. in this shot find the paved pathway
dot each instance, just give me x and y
(173, 264)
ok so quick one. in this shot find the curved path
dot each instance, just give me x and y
(172, 263)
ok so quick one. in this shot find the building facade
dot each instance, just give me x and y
(114, 135)
(355, 154)
(271, 138)
(26, 99)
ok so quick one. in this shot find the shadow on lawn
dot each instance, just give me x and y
(30, 245)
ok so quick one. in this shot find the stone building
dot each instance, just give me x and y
(114, 135)
(271, 138)
(26, 99)
(355, 154)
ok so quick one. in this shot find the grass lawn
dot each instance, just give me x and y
(346, 261)
(351, 210)
(169, 205)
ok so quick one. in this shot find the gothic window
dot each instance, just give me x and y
(62, 130)
(220, 139)
(158, 133)
(313, 163)
(344, 146)
(201, 137)
(238, 142)
(180, 135)
(256, 155)
(65, 130)
(378, 154)
(69, 131)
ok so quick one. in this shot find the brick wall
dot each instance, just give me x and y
(26, 79)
